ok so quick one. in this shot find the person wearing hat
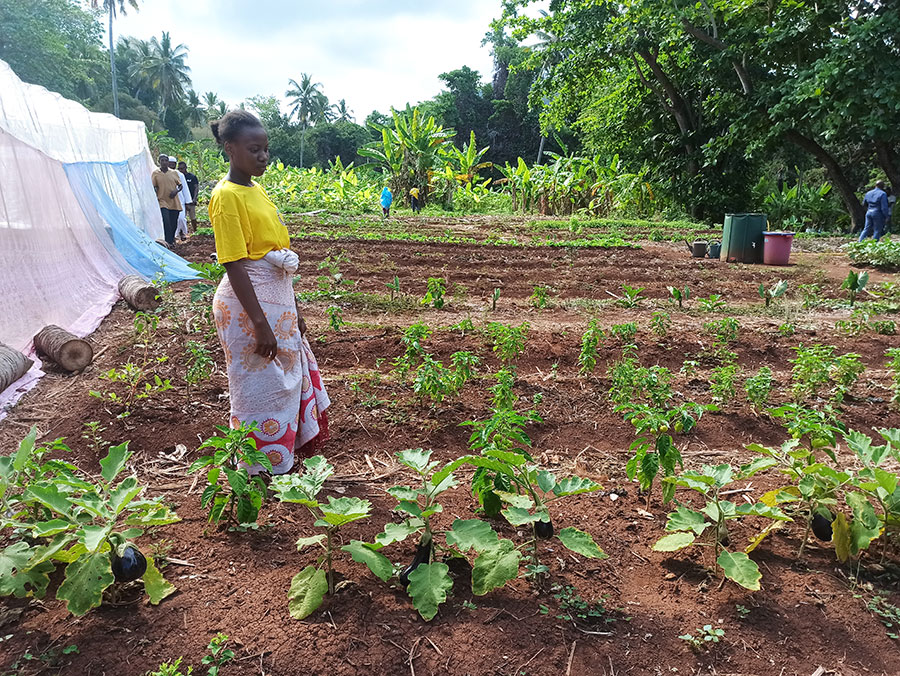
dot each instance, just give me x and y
(168, 186)
(184, 196)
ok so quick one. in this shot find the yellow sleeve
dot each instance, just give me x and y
(224, 215)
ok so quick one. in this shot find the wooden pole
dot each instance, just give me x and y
(139, 294)
(13, 365)
(70, 352)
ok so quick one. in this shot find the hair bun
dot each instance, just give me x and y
(215, 130)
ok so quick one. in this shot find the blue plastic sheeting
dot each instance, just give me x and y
(95, 184)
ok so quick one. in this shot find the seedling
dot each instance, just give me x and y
(219, 654)
(200, 364)
(309, 586)
(210, 274)
(724, 331)
(721, 382)
(714, 303)
(624, 332)
(679, 295)
(91, 434)
(540, 297)
(686, 525)
(435, 289)
(507, 341)
(816, 367)
(660, 323)
(855, 284)
(742, 611)
(241, 497)
(394, 287)
(632, 296)
(893, 355)
(787, 329)
(758, 388)
(777, 290)
(706, 636)
(57, 513)
(433, 380)
(590, 341)
(811, 295)
(413, 342)
(495, 296)
(335, 318)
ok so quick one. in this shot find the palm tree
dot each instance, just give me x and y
(215, 107)
(110, 6)
(167, 71)
(133, 54)
(341, 112)
(196, 112)
(308, 105)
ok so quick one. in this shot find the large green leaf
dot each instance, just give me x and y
(761, 509)
(740, 568)
(114, 461)
(417, 459)
(687, 519)
(339, 511)
(51, 527)
(515, 499)
(86, 578)
(674, 542)
(308, 588)
(581, 543)
(237, 479)
(472, 534)
(123, 494)
(16, 578)
(518, 516)
(840, 536)
(378, 563)
(92, 537)
(156, 586)
(574, 485)
(757, 465)
(26, 446)
(50, 496)
(396, 532)
(303, 543)
(404, 493)
(428, 587)
(495, 567)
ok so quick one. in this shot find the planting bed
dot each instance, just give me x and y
(810, 612)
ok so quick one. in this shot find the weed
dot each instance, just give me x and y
(575, 609)
(787, 329)
(884, 327)
(888, 613)
(91, 434)
(742, 611)
(812, 297)
(219, 654)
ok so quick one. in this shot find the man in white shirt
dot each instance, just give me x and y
(185, 197)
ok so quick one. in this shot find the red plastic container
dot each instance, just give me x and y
(777, 247)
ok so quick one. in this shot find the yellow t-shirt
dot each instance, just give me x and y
(245, 222)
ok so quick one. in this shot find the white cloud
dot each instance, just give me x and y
(373, 54)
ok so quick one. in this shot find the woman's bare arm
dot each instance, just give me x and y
(266, 343)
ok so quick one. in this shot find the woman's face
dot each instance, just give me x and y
(249, 152)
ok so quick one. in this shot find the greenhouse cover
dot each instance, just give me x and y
(77, 213)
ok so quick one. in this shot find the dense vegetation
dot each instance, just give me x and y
(644, 108)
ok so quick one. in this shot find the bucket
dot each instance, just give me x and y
(715, 249)
(777, 247)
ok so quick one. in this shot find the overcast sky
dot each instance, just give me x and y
(373, 53)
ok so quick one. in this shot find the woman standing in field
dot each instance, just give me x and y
(273, 378)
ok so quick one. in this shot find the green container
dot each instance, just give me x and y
(742, 238)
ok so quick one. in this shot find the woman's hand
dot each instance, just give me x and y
(266, 343)
(302, 324)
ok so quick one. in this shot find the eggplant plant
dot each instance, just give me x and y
(57, 514)
(655, 449)
(527, 504)
(309, 586)
(686, 525)
(231, 493)
(813, 492)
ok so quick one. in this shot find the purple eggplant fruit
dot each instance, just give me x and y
(543, 529)
(821, 527)
(423, 554)
(130, 566)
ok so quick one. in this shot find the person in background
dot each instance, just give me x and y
(183, 197)
(877, 212)
(387, 198)
(892, 200)
(273, 377)
(193, 185)
(167, 187)
(414, 200)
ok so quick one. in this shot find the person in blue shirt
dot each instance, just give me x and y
(877, 212)
(387, 198)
